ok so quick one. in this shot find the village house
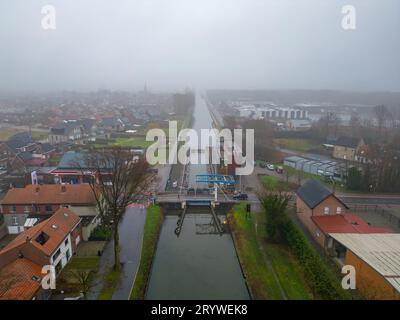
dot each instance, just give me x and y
(112, 124)
(75, 167)
(376, 260)
(323, 213)
(346, 148)
(70, 130)
(21, 151)
(51, 242)
(21, 205)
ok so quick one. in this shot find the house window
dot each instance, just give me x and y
(13, 208)
(66, 242)
(57, 254)
(330, 242)
(339, 210)
(326, 210)
(26, 209)
(14, 220)
(67, 255)
(49, 208)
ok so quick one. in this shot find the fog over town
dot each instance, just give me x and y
(275, 44)
(200, 150)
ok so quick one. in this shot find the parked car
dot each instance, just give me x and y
(270, 167)
(241, 196)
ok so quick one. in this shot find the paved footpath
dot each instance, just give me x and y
(131, 234)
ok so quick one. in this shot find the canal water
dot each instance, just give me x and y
(200, 263)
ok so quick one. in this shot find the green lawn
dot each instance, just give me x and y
(274, 183)
(68, 282)
(302, 145)
(286, 266)
(152, 229)
(259, 276)
(255, 254)
(110, 284)
(54, 160)
(6, 133)
(39, 135)
(139, 142)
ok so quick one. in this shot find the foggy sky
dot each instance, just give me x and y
(170, 44)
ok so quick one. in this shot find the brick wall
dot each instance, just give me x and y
(305, 213)
(369, 282)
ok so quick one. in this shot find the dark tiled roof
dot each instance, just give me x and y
(65, 128)
(73, 160)
(47, 147)
(349, 142)
(25, 156)
(313, 193)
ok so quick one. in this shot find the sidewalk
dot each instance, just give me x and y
(131, 234)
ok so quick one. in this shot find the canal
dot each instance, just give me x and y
(200, 263)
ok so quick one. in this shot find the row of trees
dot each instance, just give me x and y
(281, 229)
(382, 172)
(377, 128)
(263, 136)
(120, 180)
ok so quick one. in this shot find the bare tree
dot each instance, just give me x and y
(355, 125)
(119, 180)
(83, 277)
(382, 113)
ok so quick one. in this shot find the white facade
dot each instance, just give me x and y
(272, 112)
(63, 253)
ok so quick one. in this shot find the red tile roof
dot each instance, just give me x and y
(345, 223)
(17, 280)
(57, 227)
(51, 194)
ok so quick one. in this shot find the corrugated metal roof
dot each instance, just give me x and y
(380, 251)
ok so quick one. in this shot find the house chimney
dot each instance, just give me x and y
(63, 188)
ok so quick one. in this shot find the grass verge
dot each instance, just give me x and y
(152, 229)
(258, 275)
(271, 271)
(286, 266)
(302, 145)
(68, 282)
(110, 284)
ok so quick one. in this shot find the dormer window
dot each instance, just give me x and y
(42, 238)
